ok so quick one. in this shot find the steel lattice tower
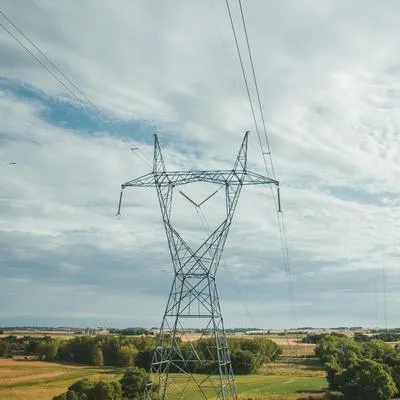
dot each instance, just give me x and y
(193, 298)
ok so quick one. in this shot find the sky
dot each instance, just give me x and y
(329, 79)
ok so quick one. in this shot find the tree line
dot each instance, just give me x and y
(360, 370)
(100, 350)
(247, 355)
(386, 336)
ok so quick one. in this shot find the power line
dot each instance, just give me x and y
(66, 81)
(257, 91)
(281, 222)
(280, 219)
(63, 84)
(245, 80)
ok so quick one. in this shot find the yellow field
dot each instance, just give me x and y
(24, 380)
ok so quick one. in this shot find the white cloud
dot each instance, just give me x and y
(330, 81)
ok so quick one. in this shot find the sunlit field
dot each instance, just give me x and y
(291, 378)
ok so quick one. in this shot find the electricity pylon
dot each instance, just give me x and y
(184, 365)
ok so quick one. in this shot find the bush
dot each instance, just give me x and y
(260, 351)
(126, 356)
(47, 351)
(366, 370)
(143, 359)
(243, 362)
(367, 380)
(133, 383)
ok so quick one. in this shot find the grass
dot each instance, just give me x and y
(287, 379)
(290, 378)
(22, 380)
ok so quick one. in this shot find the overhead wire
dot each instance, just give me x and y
(66, 82)
(72, 88)
(245, 81)
(280, 219)
(257, 91)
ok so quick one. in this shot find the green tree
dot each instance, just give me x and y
(72, 395)
(133, 383)
(143, 358)
(126, 356)
(107, 391)
(97, 356)
(377, 350)
(47, 351)
(83, 387)
(361, 337)
(243, 362)
(367, 380)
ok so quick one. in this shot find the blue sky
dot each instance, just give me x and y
(330, 83)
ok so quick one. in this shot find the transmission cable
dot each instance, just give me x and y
(100, 117)
(257, 91)
(281, 225)
(71, 91)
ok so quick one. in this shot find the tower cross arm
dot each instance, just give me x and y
(220, 177)
(143, 181)
(252, 178)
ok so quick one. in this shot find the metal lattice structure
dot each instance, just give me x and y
(182, 366)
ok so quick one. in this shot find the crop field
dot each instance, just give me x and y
(290, 378)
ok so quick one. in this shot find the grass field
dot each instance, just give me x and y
(36, 380)
(288, 379)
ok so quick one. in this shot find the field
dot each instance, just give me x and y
(291, 378)
(24, 380)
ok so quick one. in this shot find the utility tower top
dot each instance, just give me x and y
(183, 366)
(239, 175)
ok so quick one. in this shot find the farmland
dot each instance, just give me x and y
(289, 378)
(21, 380)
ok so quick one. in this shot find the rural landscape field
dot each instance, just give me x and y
(297, 374)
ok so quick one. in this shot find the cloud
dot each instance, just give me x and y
(329, 79)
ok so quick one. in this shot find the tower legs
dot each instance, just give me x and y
(192, 353)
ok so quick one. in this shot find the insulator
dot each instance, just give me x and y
(119, 204)
(279, 200)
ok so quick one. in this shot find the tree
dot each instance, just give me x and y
(110, 346)
(126, 356)
(72, 395)
(361, 337)
(107, 391)
(97, 356)
(133, 383)
(47, 351)
(5, 348)
(83, 387)
(367, 380)
(377, 350)
(243, 361)
(143, 358)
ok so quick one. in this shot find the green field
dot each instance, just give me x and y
(24, 380)
(21, 380)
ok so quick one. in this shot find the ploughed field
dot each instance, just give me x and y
(295, 376)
